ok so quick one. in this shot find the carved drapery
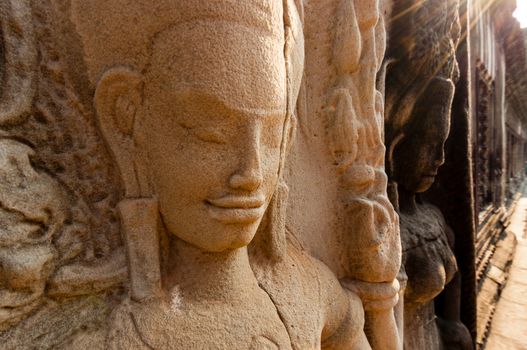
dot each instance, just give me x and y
(59, 234)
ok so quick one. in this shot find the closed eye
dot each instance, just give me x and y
(204, 134)
(211, 136)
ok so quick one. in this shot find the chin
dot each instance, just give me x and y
(240, 242)
(237, 238)
(243, 237)
(425, 184)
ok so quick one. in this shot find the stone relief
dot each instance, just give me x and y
(145, 184)
(336, 168)
(59, 235)
(422, 70)
(484, 156)
(232, 252)
(227, 116)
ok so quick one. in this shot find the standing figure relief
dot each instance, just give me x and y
(196, 105)
(422, 70)
(336, 168)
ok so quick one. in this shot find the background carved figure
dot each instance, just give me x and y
(421, 73)
(336, 168)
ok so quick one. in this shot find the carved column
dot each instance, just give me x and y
(338, 157)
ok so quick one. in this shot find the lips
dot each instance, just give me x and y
(431, 173)
(233, 209)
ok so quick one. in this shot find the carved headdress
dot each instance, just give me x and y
(422, 63)
(124, 32)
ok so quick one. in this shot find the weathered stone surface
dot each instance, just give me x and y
(144, 178)
(243, 174)
(339, 208)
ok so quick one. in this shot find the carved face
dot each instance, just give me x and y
(212, 125)
(419, 156)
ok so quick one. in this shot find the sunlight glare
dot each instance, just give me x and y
(521, 12)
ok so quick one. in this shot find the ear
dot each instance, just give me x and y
(270, 242)
(117, 99)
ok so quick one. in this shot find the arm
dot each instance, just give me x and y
(344, 336)
(379, 300)
(343, 327)
(359, 315)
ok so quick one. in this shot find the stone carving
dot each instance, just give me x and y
(354, 123)
(196, 106)
(59, 236)
(32, 213)
(143, 195)
(43, 225)
(336, 169)
(483, 176)
(419, 92)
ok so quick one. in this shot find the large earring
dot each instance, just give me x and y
(270, 240)
(277, 217)
(140, 223)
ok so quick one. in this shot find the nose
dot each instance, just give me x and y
(440, 157)
(249, 176)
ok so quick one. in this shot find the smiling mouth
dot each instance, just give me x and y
(233, 209)
(431, 173)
